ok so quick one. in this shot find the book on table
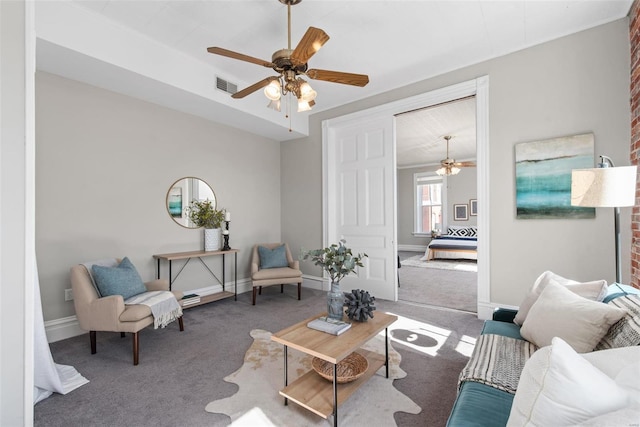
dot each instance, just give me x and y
(190, 299)
(328, 325)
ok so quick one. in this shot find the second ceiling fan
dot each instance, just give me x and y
(449, 166)
(290, 64)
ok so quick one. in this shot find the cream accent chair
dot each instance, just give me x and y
(109, 313)
(274, 276)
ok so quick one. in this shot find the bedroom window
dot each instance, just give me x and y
(428, 202)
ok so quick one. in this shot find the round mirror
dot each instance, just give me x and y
(184, 191)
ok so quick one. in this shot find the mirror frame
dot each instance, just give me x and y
(183, 205)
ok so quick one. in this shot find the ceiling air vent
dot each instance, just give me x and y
(226, 86)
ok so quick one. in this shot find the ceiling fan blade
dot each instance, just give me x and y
(310, 43)
(240, 56)
(339, 77)
(464, 164)
(254, 87)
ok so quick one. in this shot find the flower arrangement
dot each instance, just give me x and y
(204, 214)
(337, 260)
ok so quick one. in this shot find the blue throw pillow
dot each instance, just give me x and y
(273, 258)
(120, 280)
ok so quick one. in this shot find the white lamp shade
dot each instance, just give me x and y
(604, 187)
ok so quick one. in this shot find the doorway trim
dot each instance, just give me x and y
(479, 88)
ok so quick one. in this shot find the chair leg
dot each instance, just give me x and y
(254, 296)
(299, 288)
(121, 334)
(181, 323)
(92, 339)
(259, 290)
(136, 345)
(282, 288)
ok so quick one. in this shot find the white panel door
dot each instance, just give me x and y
(360, 179)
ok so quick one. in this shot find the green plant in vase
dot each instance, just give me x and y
(338, 261)
(203, 213)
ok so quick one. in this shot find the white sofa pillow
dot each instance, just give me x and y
(559, 312)
(595, 291)
(558, 387)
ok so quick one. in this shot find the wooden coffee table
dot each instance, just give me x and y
(315, 393)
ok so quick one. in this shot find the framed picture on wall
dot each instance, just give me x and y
(460, 212)
(473, 207)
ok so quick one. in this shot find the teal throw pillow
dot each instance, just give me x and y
(273, 258)
(120, 280)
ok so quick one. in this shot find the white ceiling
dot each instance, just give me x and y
(156, 49)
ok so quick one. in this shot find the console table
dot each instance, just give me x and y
(188, 256)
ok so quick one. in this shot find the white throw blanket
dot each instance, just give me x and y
(163, 305)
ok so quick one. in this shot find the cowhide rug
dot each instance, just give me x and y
(258, 403)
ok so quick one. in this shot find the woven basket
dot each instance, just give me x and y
(349, 369)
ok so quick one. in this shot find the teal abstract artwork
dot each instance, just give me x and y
(543, 176)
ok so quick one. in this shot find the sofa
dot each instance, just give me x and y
(555, 383)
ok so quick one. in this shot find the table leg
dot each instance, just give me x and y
(170, 277)
(223, 278)
(286, 381)
(386, 351)
(235, 276)
(335, 395)
(158, 274)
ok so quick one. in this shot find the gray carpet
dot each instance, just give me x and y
(181, 372)
(442, 288)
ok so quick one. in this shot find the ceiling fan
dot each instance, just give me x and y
(450, 166)
(290, 64)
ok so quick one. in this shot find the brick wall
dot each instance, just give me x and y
(634, 36)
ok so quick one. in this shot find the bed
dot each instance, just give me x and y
(460, 242)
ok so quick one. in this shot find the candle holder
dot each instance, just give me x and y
(226, 246)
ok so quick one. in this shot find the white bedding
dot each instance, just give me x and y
(462, 243)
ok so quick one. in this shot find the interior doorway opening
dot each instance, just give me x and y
(437, 193)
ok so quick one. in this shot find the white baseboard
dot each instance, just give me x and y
(60, 329)
(68, 327)
(486, 309)
(412, 248)
(315, 282)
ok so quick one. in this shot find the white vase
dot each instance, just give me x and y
(212, 239)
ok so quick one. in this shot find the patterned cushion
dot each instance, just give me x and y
(461, 231)
(121, 280)
(625, 332)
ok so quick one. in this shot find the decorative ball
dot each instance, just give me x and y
(360, 305)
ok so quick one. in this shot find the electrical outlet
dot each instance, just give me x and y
(68, 294)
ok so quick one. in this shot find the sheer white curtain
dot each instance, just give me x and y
(49, 377)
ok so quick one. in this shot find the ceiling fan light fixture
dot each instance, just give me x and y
(448, 170)
(306, 92)
(303, 105)
(274, 104)
(273, 90)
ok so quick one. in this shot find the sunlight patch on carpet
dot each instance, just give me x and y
(262, 376)
(459, 265)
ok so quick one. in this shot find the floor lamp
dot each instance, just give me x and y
(606, 186)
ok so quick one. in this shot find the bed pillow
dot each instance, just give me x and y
(580, 322)
(462, 231)
(273, 258)
(122, 279)
(595, 291)
(626, 332)
(559, 387)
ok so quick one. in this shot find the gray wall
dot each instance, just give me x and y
(459, 190)
(576, 84)
(104, 164)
